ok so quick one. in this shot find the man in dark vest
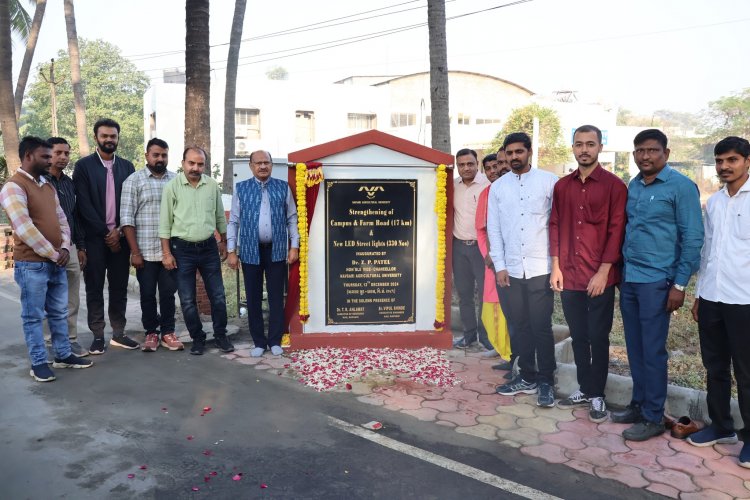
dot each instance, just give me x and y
(42, 249)
(264, 214)
(98, 181)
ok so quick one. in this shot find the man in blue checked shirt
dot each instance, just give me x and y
(663, 240)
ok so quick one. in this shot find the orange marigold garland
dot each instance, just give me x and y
(305, 178)
(441, 202)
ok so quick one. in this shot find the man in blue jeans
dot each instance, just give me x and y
(41, 252)
(191, 211)
(140, 209)
(663, 240)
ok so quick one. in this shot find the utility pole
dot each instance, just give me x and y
(53, 94)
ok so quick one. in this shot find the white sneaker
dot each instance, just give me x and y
(276, 350)
(257, 352)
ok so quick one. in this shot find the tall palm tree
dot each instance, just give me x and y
(8, 122)
(441, 126)
(75, 77)
(20, 21)
(231, 93)
(23, 75)
(197, 76)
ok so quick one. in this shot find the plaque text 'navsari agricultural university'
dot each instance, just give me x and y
(370, 251)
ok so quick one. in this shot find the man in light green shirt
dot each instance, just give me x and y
(191, 213)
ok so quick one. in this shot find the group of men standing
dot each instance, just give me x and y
(586, 234)
(110, 216)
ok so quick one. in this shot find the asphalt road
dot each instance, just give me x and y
(80, 436)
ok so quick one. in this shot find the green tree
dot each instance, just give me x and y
(729, 115)
(113, 88)
(277, 73)
(552, 149)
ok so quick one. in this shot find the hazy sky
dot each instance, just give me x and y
(640, 54)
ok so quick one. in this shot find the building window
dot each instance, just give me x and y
(403, 119)
(463, 119)
(487, 121)
(362, 121)
(247, 123)
(304, 126)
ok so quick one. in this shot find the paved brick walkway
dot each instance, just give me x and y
(663, 465)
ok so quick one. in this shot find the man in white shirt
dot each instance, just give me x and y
(518, 226)
(722, 305)
(468, 264)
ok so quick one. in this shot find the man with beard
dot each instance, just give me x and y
(468, 265)
(67, 195)
(191, 212)
(586, 230)
(663, 239)
(98, 180)
(41, 251)
(517, 225)
(140, 208)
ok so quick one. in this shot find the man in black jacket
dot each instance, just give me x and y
(98, 181)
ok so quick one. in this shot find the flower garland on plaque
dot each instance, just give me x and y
(441, 202)
(305, 178)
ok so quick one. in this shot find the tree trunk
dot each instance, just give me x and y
(441, 125)
(23, 75)
(197, 78)
(231, 93)
(75, 77)
(8, 123)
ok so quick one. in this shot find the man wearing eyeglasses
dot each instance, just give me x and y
(265, 216)
(663, 239)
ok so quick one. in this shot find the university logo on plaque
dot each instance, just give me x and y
(371, 235)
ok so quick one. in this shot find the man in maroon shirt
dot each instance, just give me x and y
(586, 230)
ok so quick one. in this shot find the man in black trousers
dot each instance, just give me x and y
(98, 181)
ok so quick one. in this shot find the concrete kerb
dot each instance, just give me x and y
(681, 401)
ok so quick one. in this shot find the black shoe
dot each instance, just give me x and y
(517, 386)
(462, 344)
(124, 341)
(630, 415)
(222, 342)
(72, 361)
(643, 431)
(42, 373)
(199, 345)
(97, 346)
(505, 365)
(598, 410)
(545, 396)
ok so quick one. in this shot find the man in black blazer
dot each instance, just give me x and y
(98, 181)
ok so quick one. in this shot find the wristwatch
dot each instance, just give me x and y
(679, 288)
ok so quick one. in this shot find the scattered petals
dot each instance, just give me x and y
(143, 467)
(190, 438)
(237, 477)
(374, 425)
(348, 386)
(195, 488)
(206, 479)
(131, 476)
(214, 473)
(206, 409)
(263, 486)
(327, 368)
(164, 409)
(207, 453)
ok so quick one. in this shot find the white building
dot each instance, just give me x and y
(283, 116)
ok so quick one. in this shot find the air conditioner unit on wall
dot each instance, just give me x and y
(240, 147)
